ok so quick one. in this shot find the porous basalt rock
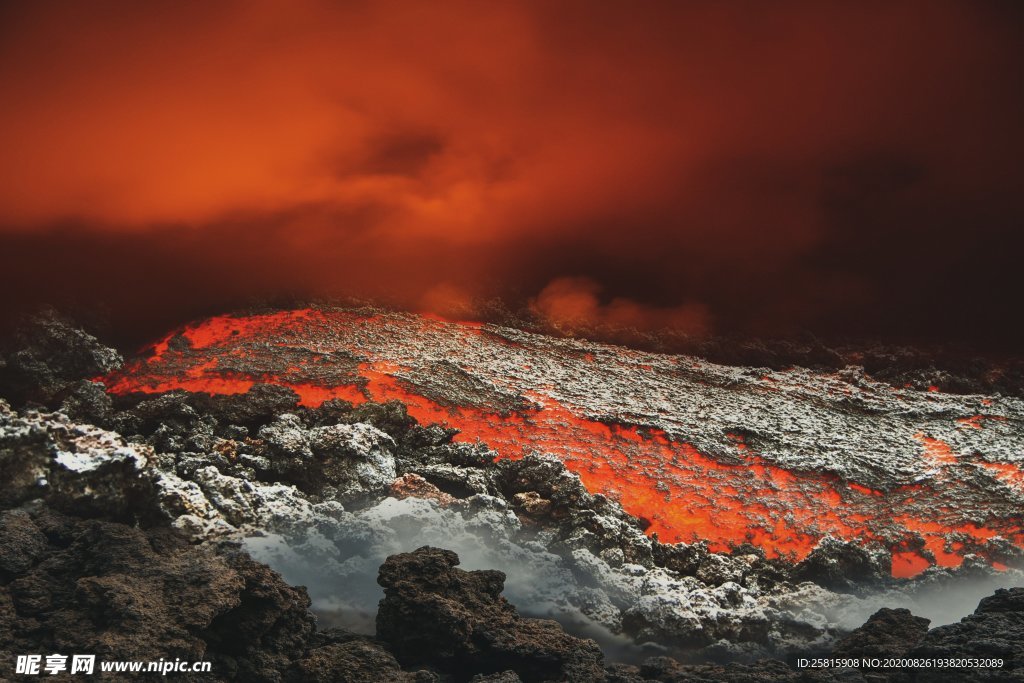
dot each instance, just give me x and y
(888, 633)
(48, 354)
(457, 621)
(354, 659)
(844, 565)
(87, 586)
(994, 631)
(414, 486)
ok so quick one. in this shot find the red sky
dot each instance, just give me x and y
(763, 168)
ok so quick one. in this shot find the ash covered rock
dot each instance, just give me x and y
(85, 470)
(356, 460)
(80, 467)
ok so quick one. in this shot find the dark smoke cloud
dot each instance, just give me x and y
(761, 168)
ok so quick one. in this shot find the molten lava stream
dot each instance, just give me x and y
(685, 495)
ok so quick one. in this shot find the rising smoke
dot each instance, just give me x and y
(583, 592)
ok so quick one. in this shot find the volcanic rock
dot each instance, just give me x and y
(582, 559)
(355, 660)
(319, 491)
(88, 586)
(259, 405)
(457, 621)
(995, 630)
(414, 486)
(357, 459)
(503, 677)
(695, 451)
(45, 455)
(843, 565)
(888, 633)
(48, 354)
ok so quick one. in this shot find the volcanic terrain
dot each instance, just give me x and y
(287, 494)
(776, 459)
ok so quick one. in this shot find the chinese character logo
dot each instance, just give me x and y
(27, 664)
(83, 664)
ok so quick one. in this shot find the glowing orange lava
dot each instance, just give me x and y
(683, 494)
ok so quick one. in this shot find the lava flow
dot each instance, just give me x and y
(699, 451)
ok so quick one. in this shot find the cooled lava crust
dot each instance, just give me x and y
(700, 451)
